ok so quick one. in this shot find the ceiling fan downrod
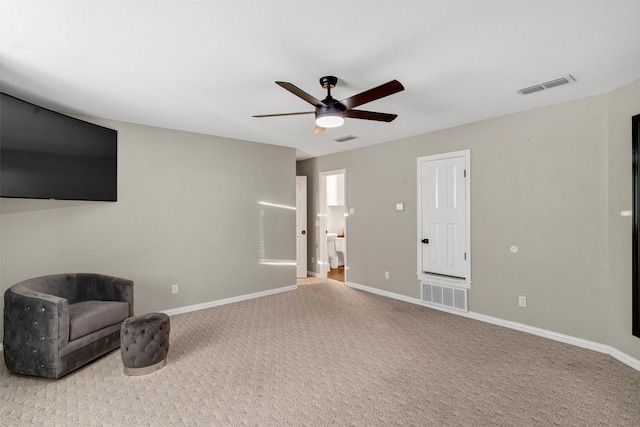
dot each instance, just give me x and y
(328, 83)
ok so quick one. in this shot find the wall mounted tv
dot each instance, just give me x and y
(47, 155)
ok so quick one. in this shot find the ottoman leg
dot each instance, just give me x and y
(132, 372)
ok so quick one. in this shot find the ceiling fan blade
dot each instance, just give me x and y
(301, 94)
(381, 91)
(284, 114)
(318, 129)
(370, 115)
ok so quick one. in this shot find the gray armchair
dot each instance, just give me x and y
(55, 324)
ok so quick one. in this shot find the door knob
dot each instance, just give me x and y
(304, 232)
(425, 241)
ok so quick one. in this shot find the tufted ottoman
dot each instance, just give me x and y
(144, 343)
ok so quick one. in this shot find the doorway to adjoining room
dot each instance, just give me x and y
(332, 225)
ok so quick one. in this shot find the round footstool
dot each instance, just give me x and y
(144, 343)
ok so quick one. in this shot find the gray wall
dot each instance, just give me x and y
(187, 213)
(551, 181)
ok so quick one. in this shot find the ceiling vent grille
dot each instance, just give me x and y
(547, 85)
(345, 138)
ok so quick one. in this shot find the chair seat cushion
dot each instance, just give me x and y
(89, 316)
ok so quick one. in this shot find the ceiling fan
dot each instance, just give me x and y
(331, 113)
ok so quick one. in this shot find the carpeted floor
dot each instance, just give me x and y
(327, 354)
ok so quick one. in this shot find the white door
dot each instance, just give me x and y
(301, 226)
(443, 222)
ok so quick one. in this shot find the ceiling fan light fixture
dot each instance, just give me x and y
(330, 119)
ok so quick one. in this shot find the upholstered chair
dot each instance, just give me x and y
(55, 324)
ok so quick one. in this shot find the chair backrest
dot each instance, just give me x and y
(78, 287)
(60, 285)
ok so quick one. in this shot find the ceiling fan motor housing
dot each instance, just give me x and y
(331, 114)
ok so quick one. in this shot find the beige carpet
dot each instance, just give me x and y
(326, 354)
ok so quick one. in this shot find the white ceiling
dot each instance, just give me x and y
(208, 66)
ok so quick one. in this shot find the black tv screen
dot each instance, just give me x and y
(47, 155)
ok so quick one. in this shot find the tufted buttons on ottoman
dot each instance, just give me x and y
(144, 343)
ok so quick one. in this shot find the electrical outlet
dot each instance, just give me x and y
(522, 301)
(386, 274)
(174, 289)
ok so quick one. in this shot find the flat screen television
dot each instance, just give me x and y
(47, 155)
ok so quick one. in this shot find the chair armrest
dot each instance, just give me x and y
(105, 288)
(36, 325)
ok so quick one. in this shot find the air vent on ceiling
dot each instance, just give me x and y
(547, 85)
(345, 138)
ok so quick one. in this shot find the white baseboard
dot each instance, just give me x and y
(567, 339)
(384, 293)
(312, 273)
(202, 306)
(209, 304)
(545, 333)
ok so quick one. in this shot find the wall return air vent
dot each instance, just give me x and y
(444, 296)
(547, 85)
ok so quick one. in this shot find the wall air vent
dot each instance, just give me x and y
(444, 296)
(345, 138)
(547, 85)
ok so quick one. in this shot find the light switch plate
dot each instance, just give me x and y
(399, 206)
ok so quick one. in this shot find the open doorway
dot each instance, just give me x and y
(332, 229)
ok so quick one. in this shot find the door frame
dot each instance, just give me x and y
(321, 223)
(301, 228)
(635, 228)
